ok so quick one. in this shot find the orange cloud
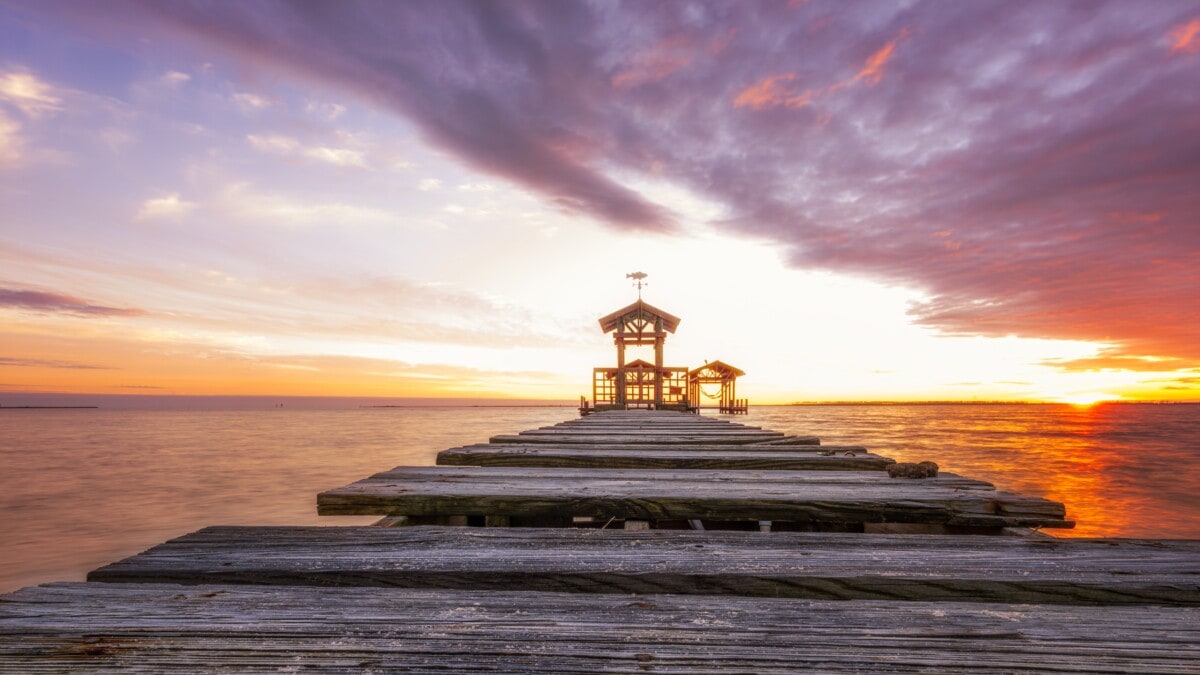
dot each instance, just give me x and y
(1184, 37)
(770, 92)
(667, 56)
(651, 67)
(872, 72)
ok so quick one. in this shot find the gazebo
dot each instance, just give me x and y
(639, 384)
(725, 377)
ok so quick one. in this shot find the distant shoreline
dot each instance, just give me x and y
(65, 401)
(48, 407)
(883, 403)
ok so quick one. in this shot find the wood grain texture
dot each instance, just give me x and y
(654, 494)
(840, 458)
(702, 423)
(815, 566)
(656, 416)
(674, 438)
(152, 627)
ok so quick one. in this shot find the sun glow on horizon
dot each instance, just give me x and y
(1089, 399)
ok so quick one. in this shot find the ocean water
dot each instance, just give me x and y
(82, 488)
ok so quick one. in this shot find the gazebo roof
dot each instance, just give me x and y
(642, 310)
(718, 368)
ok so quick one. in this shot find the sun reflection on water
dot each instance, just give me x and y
(1121, 470)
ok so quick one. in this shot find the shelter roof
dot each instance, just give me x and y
(642, 310)
(718, 368)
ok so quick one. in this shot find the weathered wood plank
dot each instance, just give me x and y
(700, 479)
(653, 429)
(638, 426)
(791, 440)
(642, 418)
(654, 447)
(652, 494)
(664, 416)
(846, 458)
(151, 627)
(701, 423)
(816, 566)
(645, 439)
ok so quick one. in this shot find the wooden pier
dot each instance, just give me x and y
(653, 542)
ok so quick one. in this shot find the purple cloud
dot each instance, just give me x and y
(1030, 166)
(42, 301)
(15, 362)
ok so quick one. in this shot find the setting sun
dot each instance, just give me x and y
(1088, 399)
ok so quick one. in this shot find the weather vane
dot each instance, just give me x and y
(637, 277)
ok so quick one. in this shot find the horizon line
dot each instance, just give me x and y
(499, 401)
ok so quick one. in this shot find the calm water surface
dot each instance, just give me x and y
(82, 488)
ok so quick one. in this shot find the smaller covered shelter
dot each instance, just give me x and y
(716, 380)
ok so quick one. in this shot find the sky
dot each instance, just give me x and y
(847, 200)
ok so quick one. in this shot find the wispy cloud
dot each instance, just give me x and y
(772, 91)
(291, 147)
(274, 143)
(249, 102)
(327, 111)
(47, 363)
(171, 207)
(1115, 361)
(872, 70)
(27, 96)
(11, 141)
(784, 90)
(174, 78)
(27, 93)
(48, 302)
(1185, 38)
(244, 201)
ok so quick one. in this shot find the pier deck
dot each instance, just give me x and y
(629, 456)
(567, 599)
(554, 494)
(156, 627)
(815, 566)
(666, 466)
